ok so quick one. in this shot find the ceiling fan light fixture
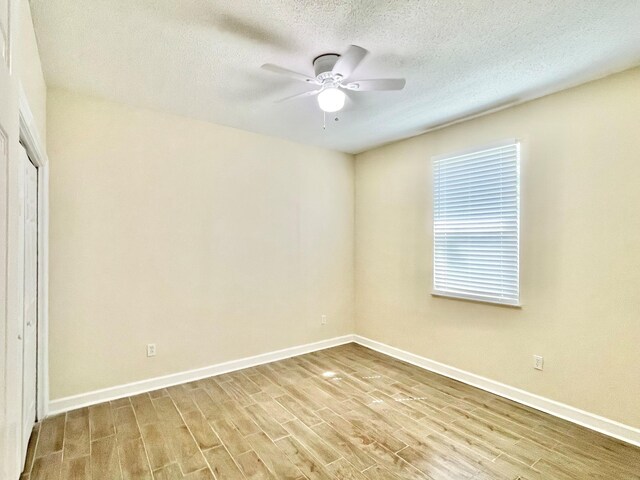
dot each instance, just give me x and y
(331, 99)
(333, 76)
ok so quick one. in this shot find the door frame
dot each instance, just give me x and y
(36, 151)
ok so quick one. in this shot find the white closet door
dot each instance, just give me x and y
(10, 251)
(30, 341)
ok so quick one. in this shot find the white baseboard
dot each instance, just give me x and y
(589, 420)
(65, 404)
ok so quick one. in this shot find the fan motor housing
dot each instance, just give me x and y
(324, 63)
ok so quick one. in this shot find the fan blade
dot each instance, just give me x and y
(289, 73)
(349, 61)
(378, 84)
(299, 95)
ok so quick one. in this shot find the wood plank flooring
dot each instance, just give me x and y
(342, 413)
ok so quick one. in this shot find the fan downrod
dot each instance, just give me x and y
(323, 64)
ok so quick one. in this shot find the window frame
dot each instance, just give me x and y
(517, 303)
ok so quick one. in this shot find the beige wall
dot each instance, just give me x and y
(30, 69)
(211, 242)
(217, 244)
(580, 260)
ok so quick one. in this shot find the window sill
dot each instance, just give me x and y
(449, 296)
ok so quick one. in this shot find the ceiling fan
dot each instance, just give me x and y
(331, 74)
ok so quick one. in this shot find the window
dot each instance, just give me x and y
(476, 200)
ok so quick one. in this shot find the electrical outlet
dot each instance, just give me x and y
(151, 350)
(323, 319)
(538, 362)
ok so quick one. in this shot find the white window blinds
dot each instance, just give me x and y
(476, 224)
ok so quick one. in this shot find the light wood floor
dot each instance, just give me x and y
(346, 412)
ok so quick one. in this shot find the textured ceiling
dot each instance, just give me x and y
(201, 58)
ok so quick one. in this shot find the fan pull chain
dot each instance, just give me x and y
(324, 120)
